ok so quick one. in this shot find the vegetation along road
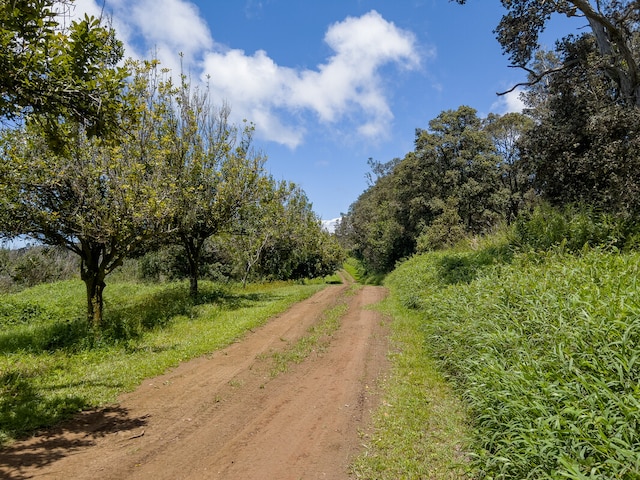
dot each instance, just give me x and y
(264, 407)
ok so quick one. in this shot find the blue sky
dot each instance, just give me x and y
(329, 83)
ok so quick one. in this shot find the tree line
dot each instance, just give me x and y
(113, 160)
(576, 145)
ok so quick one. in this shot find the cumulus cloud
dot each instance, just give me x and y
(347, 85)
(162, 28)
(510, 102)
(282, 101)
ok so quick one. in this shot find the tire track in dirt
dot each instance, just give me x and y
(223, 416)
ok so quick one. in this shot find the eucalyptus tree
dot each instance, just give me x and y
(102, 200)
(52, 66)
(506, 132)
(614, 26)
(215, 169)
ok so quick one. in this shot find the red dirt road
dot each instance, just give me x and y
(223, 416)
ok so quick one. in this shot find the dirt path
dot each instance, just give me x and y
(223, 416)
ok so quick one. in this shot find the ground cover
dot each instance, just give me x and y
(52, 365)
(543, 348)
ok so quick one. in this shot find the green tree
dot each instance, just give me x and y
(103, 201)
(585, 145)
(458, 160)
(614, 28)
(215, 168)
(505, 132)
(449, 186)
(52, 67)
(296, 249)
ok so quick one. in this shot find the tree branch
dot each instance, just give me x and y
(538, 77)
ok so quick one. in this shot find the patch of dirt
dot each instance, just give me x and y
(223, 416)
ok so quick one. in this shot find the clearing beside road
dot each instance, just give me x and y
(226, 415)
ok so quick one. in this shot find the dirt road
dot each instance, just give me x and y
(224, 416)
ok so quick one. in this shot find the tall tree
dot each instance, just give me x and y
(215, 168)
(53, 67)
(614, 26)
(103, 201)
(506, 131)
(585, 145)
(449, 186)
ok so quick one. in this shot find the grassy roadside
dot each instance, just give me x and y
(541, 348)
(52, 366)
(420, 431)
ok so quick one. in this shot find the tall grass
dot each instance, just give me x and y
(544, 349)
(53, 365)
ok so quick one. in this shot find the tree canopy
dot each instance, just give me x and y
(52, 67)
(462, 178)
(614, 27)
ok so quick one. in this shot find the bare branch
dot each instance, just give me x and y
(538, 77)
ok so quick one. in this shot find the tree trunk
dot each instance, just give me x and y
(94, 282)
(615, 43)
(193, 280)
(193, 249)
(93, 272)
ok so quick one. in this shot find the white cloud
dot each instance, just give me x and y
(347, 85)
(330, 225)
(509, 102)
(282, 101)
(164, 28)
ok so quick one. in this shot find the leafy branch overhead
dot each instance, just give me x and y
(612, 23)
(52, 66)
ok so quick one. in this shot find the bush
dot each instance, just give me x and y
(573, 229)
(34, 265)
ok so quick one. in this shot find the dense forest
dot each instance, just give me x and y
(575, 148)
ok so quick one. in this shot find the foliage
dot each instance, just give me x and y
(585, 147)
(463, 178)
(52, 67)
(543, 350)
(574, 229)
(280, 237)
(52, 365)
(215, 169)
(31, 266)
(101, 200)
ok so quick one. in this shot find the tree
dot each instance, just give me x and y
(505, 132)
(298, 247)
(102, 200)
(614, 27)
(457, 159)
(258, 223)
(449, 186)
(52, 67)
(215, 169)
(585, 146)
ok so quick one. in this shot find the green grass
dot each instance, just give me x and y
(316, 339)
(52, 365)
(544, 350)
(355, 268)
(420, 431)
